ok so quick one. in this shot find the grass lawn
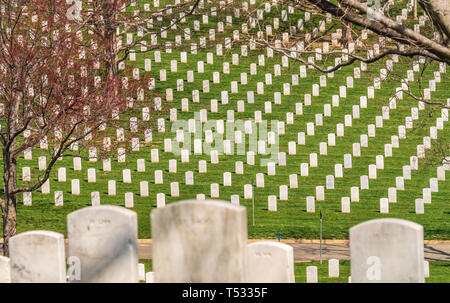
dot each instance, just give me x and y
(439, 271)
(291, 219)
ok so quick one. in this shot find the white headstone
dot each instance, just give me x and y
(111, 188)
(320, 193)
(104, 239)
(5, 270)
(214, 189)
(310, 204)
(37, 256)
(333, 268)
(392, 194)
(311, 274)
(160, 200)
(270, 262)
(354, 194)
(143, 188)
(95, 198)
(195, 242)
(387, 251)
(345, 204)
(91, 175)
(59, 198)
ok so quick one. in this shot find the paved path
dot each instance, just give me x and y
(311, 251)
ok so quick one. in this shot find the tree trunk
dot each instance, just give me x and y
(346, 34)
(439, 13)
(111, 53)
(346, 28)
(109, 14)
(10, 202)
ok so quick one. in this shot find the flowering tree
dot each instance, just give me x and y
(54, 92)
(112, 20)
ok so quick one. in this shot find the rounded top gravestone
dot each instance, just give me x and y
(199, 241)
(387, 251)
(37, 256)
(270, 262)
(104, 239)
(5, 270)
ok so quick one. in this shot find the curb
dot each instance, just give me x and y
(296, 241)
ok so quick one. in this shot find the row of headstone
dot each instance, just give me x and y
(200, 241)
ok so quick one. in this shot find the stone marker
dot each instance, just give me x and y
(338, 171)
(384, 205)
(234, 200)
(37, 257)
(76, 163)
(259, 180)
(248, 191)
(364, 180)
(103, 238)
(387, 251)
(345, 204)
(107, 164)
(95, 198)
(5, 270)
(426, 194)
(372, 171)
(329, 182)
(42, 162)
(310, 204)
(333, 268)
(420, 209)
(141, 165)
(320, 193)
(91, 175)
(272, 203)
(214, 189)
(283, 192)
(174, 189)
(172, 166)
(426, 270)
(198, 242)
(270, 262)
(160, 200)
(400, 183)
(392, 194)
(150, 277)
(126, 176)
(311, 274)
(141, 269)
(434, 185)
(354, 194)
(27, 198)
(158, 177)
(129, 200)
(111, 187)
(293, 181)
(59, 200)
(61, 174)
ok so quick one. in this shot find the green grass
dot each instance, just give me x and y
(439, 271)
(291, 219)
